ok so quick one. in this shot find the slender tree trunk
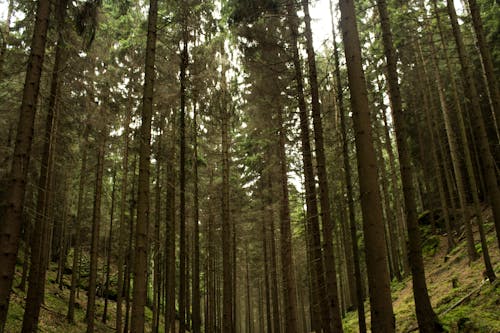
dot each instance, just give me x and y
(319, 285)
(156, 240)
(382, 316)
(265, 248)
(458, 173)
(324, 196)
(348, 182)
(182, 183)
(141, 234)
(272, 246)
(122, 232)
(36, 284)
(196, 234)
(427, 319)
(484, 51)
(96, 221)
(130, 246)
(170, 232)
(10, 230)
(249, 321)
(79, 216)
(227, 320)
(435, 143)
(287, 266)
(477, 120)
(27, 247)
(110, 242)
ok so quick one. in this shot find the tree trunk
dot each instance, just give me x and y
(427, 319)
(477, 120)
(289, 284)
(484, 51)
(182, 182)
(170, 231)
(196, 235)
(156, 237)
(79, 216)
(96, 221)
(10, 230)
(319, 285)
(110, 242)
(348, 181)
(324, 196)
(227, 320)
(382, 316)
(141, 234)
(36, 284)
(122, 232)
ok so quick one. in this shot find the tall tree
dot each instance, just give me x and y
(324, 196)
(96, 221)
(477, 120)
(10, 230)
(182, 174)
(141, 233)
(382, 316)
(348, 183)
(427, 319)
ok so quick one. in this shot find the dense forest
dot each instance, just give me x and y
(211, 166)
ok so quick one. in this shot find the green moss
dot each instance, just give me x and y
(430, 245)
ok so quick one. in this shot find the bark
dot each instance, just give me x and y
(36, 284)
(130, 258)
(324, 196)
(141, 234)
(96, 221)
(319, 286)
(156, 237)
(484, 51)
(109, 248)
(435, 157)
(265, 249)
(79, 216)
(382, 316)
(248, 297)
(122, 229)
(427, 319)
(489, 167)
(170, 232)
(272, 246)
(227, 320)
(10, 230)
(196, 235)
(349, 189)
(182, 183)
(289, 284)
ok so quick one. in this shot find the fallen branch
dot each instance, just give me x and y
(456, 304)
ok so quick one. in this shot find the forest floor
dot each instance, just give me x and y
(449, 278)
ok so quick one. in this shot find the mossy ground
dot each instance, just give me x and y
(448, 281)
(54, 310)
(450, 278)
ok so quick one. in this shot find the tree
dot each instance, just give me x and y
(427, 319)
(382, 316)
(96, 221)
(141, 234)
(11, 228)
